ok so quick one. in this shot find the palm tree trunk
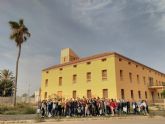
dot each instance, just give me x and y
(16, 76)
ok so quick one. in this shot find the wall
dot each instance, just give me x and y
(81, 86)
(136, 69)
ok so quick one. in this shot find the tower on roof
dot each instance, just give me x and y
(68, 55)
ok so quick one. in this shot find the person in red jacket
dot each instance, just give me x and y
(112, 106)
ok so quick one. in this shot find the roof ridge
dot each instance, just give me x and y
(81, 59)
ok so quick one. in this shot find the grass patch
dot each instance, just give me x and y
(21, 108)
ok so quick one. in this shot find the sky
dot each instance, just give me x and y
(133, 28)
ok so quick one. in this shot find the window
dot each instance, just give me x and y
(45, 95)
(88, 76)
(74, 66)
(103, 60)
(61, 69)
(46, 82)
(47, 72)
(120, 59)
(132, 95)
(74, 78)
(60, 81)
(139, 94)
(129, 63)
(104, 74)
(59, 94)
(64, 59)
(88, 63)
(89, 94)
(130, 77)
(151, 83)
(122, 94)
(146, 95)
(138, 78)
(136, 66)
(121, 74)
(105, 93)
(158, 96)
(156, 82)
(74, 94)
(144, 80)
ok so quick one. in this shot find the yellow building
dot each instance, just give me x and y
(106, 75)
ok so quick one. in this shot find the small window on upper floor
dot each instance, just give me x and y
(103, 60)
(88, 63)
(143, 68)
(129, 63)
(74, 66)
(120, 59)
(61, 69)
(136, 66)
(47, 72)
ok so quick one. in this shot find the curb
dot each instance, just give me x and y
(80, 119)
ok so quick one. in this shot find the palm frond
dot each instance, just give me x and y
(14, 25)
(13, 36)
(20, 32)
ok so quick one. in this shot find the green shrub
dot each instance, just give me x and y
(29, 110)
(21, 108)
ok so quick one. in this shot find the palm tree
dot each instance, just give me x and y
(19, 35)
(6, 82)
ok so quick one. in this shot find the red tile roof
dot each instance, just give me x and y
(80, 60)
(98, 56)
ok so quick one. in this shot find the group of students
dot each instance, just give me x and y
(91, 107)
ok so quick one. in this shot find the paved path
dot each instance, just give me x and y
(17, 117)
(30, 119)
(113, 121)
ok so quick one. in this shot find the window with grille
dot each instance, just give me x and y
(121, 74)
(88, 76)
(46, 82)
(122, 94)
(130, 77)
(105, 93)
(74, 94)
(74, 78)
(89, 94)
(104, 74)
(60, 81)
(132, 94)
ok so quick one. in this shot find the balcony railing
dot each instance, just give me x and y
(152, 85)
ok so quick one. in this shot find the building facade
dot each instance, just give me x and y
(106, 75)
